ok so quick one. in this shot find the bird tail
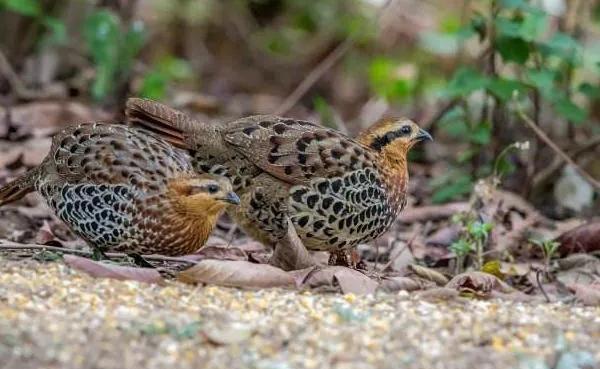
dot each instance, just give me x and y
(170, 124)
(16, 189)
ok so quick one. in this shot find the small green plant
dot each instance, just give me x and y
(472, 241)
(113, 48)
(548, 248)
(461, 249)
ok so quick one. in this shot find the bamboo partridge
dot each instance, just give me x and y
(337, 191)
(123, 190)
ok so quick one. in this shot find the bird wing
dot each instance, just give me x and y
(170, 124)
(296, 151)
(114, 154)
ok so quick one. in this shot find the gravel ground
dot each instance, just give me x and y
(54, 317)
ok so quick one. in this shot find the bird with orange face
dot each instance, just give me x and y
(337, 191)
(123, 190)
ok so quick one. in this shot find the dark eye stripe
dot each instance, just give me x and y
(381, 141)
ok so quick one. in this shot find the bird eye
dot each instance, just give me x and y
(212, 188)
(405, 130)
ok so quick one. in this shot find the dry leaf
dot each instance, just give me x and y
(588, 294)
(429, 274)
(348, 280)
(290, 253)
(236, 273)
(479, 283)
(105, 270)
(218, 252)
(584, 239)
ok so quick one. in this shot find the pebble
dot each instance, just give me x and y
(52, 316)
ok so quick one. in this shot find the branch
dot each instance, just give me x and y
(542, 136)
(314, 76)
(318, 72)
(27, 246)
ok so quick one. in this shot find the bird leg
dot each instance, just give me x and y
(98, 254)
(140, 261)
(290, 253)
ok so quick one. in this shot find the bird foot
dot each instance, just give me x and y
(347, 258)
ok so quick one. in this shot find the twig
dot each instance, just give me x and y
(21, 246)
(18, 86)
(334, 56)
(558, 163)
(314, 76)
(539, 283)
(555, 147)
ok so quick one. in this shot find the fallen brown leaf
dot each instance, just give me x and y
(236, 273)
(429, 274)
(479, 283)
(219, 253)
(290, 253)
(105, 270)
(348, 280)
(584, 239)
(587, 294)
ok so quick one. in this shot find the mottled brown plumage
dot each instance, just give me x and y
(337, 191)
(124, 190)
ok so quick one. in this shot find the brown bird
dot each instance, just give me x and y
(123, 190)
(337, 191)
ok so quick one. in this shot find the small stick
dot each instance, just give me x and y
(539, 283)
(21, 246)
(555, 147)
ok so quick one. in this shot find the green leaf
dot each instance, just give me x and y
(453, 188)
(132, 44)
(513, 49)
(58, 31)
(592, 92)
(529, 27)
(481, 134)
(154, 85)
(504, 88)
(542, 79)
(385, 81)
(564, 47)
(565, 107)
(30, 8)
(466, 81)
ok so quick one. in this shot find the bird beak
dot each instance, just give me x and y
(423, 135)
(231, 198)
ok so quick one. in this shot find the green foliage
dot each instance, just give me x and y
(387, 80)
(534, 61)
(112, 49)
(455, 184)
(57, 33)
(156, 80)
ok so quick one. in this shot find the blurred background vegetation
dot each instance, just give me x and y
(467, 70)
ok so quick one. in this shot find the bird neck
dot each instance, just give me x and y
(193, 229)
(392, 163)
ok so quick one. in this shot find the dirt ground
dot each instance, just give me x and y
(52, 316)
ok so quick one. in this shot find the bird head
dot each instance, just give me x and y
(202, 195)
(392, 136)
